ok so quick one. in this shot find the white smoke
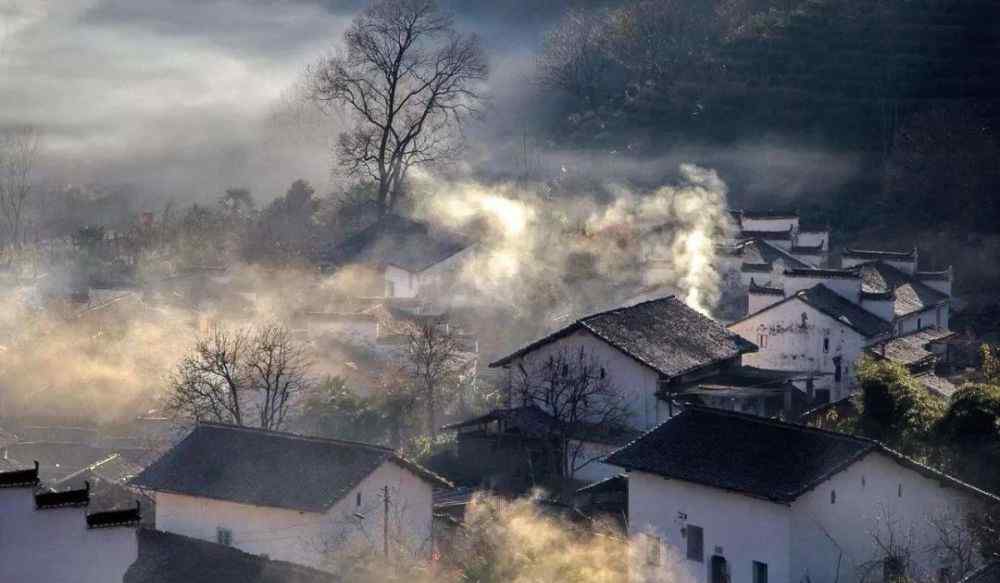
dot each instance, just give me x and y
(537, 247)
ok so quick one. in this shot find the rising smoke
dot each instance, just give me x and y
(585, 251)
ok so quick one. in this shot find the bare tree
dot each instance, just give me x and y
(438, 362)
(409, 80)
(230, 375)
(573, 387)
(18, 153)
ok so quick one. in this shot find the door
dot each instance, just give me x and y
(718, 570)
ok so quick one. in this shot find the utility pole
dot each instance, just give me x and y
(385, 521)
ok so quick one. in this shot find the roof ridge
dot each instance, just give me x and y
(622, 308)
(289, 435)
(782, 423)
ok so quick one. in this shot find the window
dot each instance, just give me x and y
(899, 491)
(224, 536)
(652, 550)
(695, 543)
(837, 375)
(603, 372)
(762, 340)
(565, 370)
(863, 482)
(826, 345)
(759, 572)
(833, 496)
(358, 499)
(918, 324)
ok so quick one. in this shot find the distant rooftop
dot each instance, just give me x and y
(911, 295)
(400, 242)
(268, 468)
(663, 334)
(910, 349)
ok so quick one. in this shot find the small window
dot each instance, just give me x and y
(919, 326)
(357, 499)
(833, 496)
(759, 572)
(695, 543)
(899, 491)
(604, 373)
(565, 370)
(652, 550)
(224, 536)
(762, 340)
(826, 345)
(863, 482)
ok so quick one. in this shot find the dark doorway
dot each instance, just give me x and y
(718, 570)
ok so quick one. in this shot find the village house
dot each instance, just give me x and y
(402, 258)
(512, 450)
(783, 230)
(920, 352)
(727, 497)
(815, 332)
(293, 498)
(643, 352)
(49, 536)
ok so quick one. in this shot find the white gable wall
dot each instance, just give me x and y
(867, 497)
(636, 382)
(439, 275)
(845, 287)
(740, 528)
(55, 544)
(400, 283)
(813, 238)
(788, 345)
(937, 316)
(309, 538)
(770, 224)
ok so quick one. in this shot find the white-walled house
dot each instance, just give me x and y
(49, 536)
(641, 351)
(814, 331)
(730, 497)
(409, 259)
(290, 497)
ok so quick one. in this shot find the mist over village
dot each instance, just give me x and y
(445, 291)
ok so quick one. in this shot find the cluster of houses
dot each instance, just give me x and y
(705, 461)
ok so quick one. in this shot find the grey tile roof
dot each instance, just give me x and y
(398, 241)
(760, 457)
(873, 255)
(172, 558)
(531, 421)
(939, 386)
(663, 334)
(911, 295)
(767, 235)
(910, 349)
(267, 468)
(759, 252)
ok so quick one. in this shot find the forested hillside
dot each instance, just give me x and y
(906, 89)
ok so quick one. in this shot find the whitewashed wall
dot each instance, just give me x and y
(310, 538)
(739, 528)
(788, 345)
(757, 301)
(586, 454)
(770, 224)
(56, 545)
(906, 266)
(400, 283)
(884, 309)
(636, 382)
(845, 287)
(442, 274)
(867, 500)
(938, 316)
(813, 238)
